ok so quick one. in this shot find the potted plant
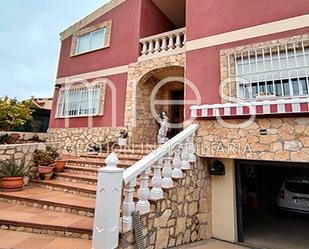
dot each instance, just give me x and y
(122, 138)
(45, 160)
(93, 149)
(108, 144)
(59, 165)
(12, 174)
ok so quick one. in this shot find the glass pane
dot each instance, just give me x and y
(270, 87)
(286, 88)
(254, 90)
(262, 88)
(97, 39)
(278, 88)
(83, 43)
(298, 187)
(304, 84)
(295, 87)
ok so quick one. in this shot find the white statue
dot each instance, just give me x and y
(164, 127)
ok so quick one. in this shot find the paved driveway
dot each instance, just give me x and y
(212, 244)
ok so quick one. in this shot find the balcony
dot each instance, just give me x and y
(164, 44)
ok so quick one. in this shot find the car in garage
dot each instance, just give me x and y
(294, 195)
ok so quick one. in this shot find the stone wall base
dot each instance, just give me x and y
(78, 140)
(182, 217)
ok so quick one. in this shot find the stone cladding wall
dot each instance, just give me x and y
(182, 217)
(279, 139)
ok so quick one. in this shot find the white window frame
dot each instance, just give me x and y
(271, 66)
(79, 101)
(107, 26)
(90, 34)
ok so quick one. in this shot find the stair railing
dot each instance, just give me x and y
(165, 163)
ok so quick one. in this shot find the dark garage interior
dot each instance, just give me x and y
(262, 220)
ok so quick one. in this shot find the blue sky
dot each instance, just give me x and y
(29, 42)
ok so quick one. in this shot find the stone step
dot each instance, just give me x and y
(76, 188)
(95, 164)
(121, 157)
(76, 177)
(34, 196)
(81, 189)
(151, 146)
(81, 170)
(132, 151)
(29, 219)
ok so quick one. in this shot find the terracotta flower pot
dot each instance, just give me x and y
(46, 169)
(59, 166)
(11, 184)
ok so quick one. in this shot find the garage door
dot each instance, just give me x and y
(273, 204)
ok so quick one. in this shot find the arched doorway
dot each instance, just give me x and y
(169, 98)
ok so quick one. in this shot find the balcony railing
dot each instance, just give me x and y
(168, 43)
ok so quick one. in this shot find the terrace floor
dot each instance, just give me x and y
(21, 240)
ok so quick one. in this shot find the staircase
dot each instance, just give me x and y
(165, 185)
(63, 206)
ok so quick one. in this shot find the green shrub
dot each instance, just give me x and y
(5, 139)
(45, 157)
(11, 168)
(36, 138)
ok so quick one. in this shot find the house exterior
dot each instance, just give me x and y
(246, 71)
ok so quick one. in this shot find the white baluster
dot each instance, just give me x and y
(178, 40)
(157, 46)
(164, 44)
(167, 181)
(151, 47)
(184, 39)
(177, 172)
(191, 149)
(128, 205)
(156, 191)
(171, 42)
(185, 165)
(144, 48)
(143, 205)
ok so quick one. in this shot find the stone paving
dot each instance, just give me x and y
(21, 240)
(212, 244)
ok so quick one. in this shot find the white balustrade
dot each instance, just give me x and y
(177, 172)
(167, 181)
(172, 41)
(156, 192)
(185, 164)
(191, 149)
(143, 205)
(173, 156)
(128, 205)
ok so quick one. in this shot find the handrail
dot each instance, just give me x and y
(163, 34)
(142, 165)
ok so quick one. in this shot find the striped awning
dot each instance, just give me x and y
(263, 107)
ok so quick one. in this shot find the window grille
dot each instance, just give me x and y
(278, 70)
(79, 101)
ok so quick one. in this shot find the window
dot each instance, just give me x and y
(271, 71)
(80, 101)
(91, 41)
(91, 38)
(298, 187)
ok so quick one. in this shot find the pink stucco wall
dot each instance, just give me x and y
(132, 20)
(203, 65)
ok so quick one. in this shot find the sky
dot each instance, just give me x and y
(29, 42)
